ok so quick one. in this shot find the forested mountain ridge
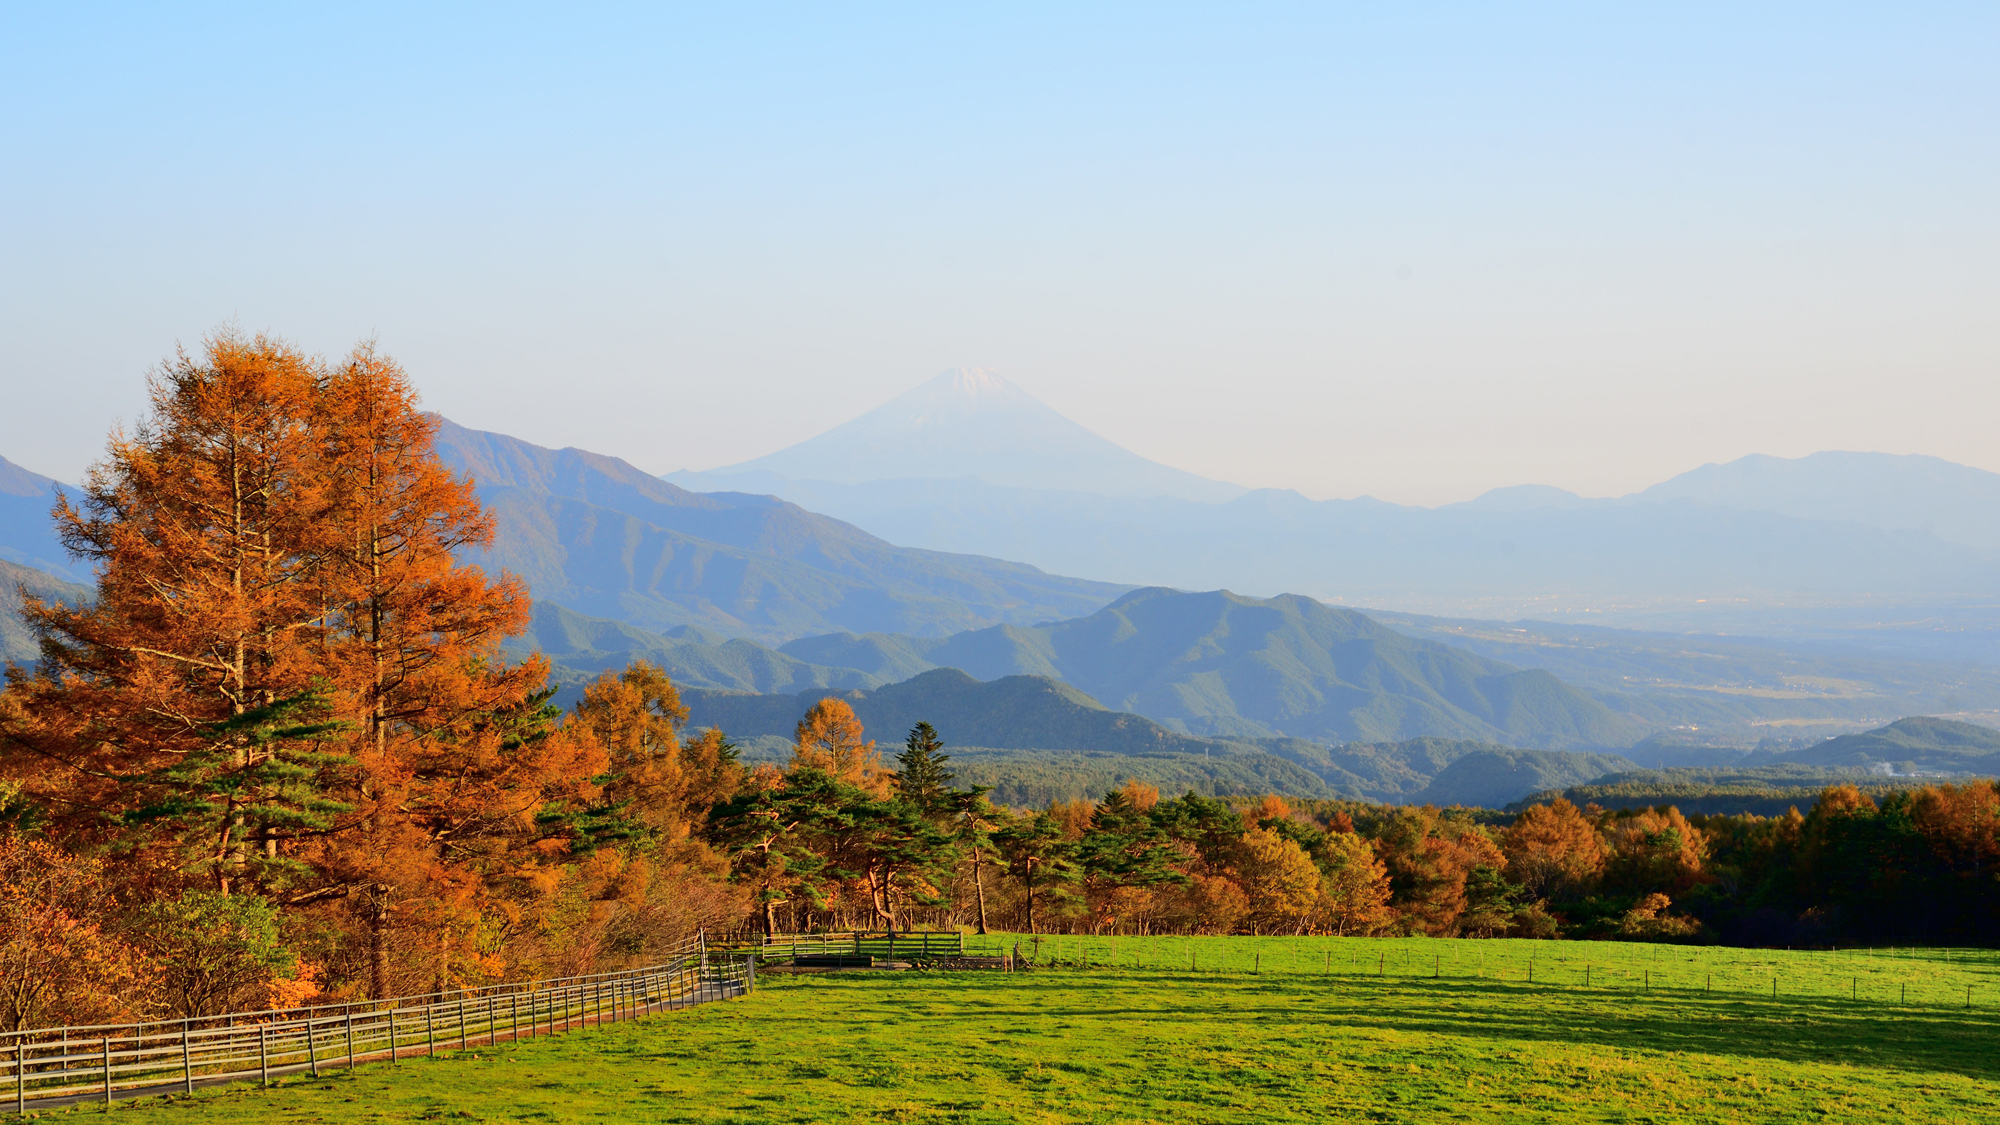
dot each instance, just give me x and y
(1037, 739)
(1913, 745)
(1009, 713)
(1222, 665)
(596, 534)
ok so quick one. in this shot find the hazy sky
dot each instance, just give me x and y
(1416, 255)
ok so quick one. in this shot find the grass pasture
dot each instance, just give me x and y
(1133, 1041)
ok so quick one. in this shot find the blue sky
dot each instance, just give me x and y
(1415, 253)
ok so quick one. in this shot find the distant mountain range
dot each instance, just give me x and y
(1759, 530)
(593, 533)
(1955, 503)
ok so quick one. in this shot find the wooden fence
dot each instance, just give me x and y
(53, 1067)
(907, 945)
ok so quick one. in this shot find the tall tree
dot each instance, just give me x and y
(1554, 850)
(830, 739)
(210, 529)
(922, 777)
(1036, 853)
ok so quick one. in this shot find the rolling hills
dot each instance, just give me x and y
(1036, 739)
(1222, 665)
(1910, 747)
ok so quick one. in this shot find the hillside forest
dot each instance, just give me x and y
(280, 756)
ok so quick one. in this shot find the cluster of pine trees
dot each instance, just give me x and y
(279, 758)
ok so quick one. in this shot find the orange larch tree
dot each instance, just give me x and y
(179, 710)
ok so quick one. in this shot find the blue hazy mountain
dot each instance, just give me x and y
(1955, 503)
(26, 535)
(1759, 532)
(598, 535)
(967, 422)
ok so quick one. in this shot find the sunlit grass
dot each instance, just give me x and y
(1877, 976)
(1294, 1042)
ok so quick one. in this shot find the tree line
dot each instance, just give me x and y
(279, 757)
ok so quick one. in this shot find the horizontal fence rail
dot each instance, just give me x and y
(52, 1067)
(906, 945)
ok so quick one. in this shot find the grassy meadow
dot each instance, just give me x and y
(1263, 1029)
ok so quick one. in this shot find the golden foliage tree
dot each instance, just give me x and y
(207, 526)
(830, 739)
(1655, 850)
(1354, 887)
(288, 683)
(1553, 850)
(59, 961)
(1280, 879)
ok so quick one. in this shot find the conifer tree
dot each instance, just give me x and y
(922, 778)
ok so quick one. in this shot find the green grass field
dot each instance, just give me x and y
(1397, 1039)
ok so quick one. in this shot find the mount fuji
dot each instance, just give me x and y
(966, 422)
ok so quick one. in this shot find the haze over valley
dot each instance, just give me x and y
(944, 544)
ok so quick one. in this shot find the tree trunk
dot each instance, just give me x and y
(979, 890)
(1028, 880)
(378, 949)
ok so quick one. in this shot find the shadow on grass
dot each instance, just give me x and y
(1728, 1025)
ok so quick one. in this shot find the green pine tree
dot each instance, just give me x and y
(923, 779)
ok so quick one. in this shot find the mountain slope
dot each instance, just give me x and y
(1956, 503)
(596, 534)
(1222, 665)
(1013, 712)
(26, 535)
(1497, 777)
(580, 647)
(1909, 745)
(969, 422)
(16, 643)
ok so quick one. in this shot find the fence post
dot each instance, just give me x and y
(392, 1035)
(187, 1067)
(20, 1076)
(461, 1023)
(350, 1039)
(263, 1060)
(492, 1032)
(104, 1045)
(312, 1048)
(430, 1033)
